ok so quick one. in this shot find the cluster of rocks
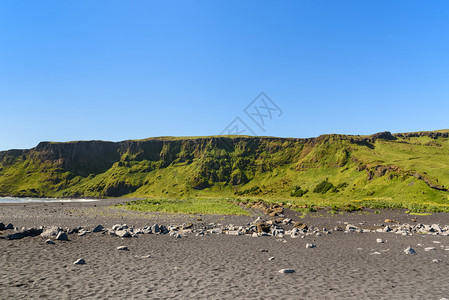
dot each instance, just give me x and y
(281, 227)
(404, 229)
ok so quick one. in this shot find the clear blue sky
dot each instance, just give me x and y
(115, 70)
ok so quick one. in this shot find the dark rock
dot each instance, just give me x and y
(62, 236)
(79, 262)
(263, 228)
(155, 229)
(286, 271)
(99, 228)
(24, 233)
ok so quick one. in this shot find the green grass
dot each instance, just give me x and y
(419, 214)
(187, 206)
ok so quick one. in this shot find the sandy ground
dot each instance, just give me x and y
(342, 266)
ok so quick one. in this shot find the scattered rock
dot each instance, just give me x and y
(98, 228)
(263, 250)
(50, 242)
(51, 232)
(409, 250)
(300, 226)
(310, 245)
(286, 271)
(62, 236)
(271, 258)
(263, 228)
(429, 248)
(145, 256)
(155, 229)
(123, 233)
(379, 241)
(436, 260)
(79, 262)
(24, 233)
(122, 248)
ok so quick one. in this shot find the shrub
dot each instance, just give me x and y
(323, 187)
(298, 191)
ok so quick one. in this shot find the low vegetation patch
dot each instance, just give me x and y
(188, 206)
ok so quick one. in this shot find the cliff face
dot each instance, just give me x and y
(219, 166)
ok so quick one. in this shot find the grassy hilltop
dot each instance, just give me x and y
(382, 170)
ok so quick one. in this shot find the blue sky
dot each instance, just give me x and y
(115, 70)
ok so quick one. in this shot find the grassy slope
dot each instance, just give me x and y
(266, 168)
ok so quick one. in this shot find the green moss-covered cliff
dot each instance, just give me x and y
(384, 166)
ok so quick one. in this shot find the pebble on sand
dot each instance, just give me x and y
(409, 250)
(50, 242)
(429, 249)
(379, 241)
(123, 248)
(79, 262)
(286, 271)
(309, 245)
(271, 258)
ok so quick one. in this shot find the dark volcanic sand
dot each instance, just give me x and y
(342, 266)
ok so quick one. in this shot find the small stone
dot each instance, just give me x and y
(62, 236)
(379, 241)
(50, 242)
(263, 250)
(123, 233)
(123, 248)
(9, 226)
(436, 260)
(429, 248)
(98, 228)
(436, 242)
(286, 271)
(271, 258)
(79, 262)
(145, 256)
(310, 245)
(409, 250)
(375, 253)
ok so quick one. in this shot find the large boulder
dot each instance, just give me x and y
(51, 232)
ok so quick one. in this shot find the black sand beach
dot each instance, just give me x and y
(343, 265)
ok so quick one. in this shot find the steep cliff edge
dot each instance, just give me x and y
(382, 165)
